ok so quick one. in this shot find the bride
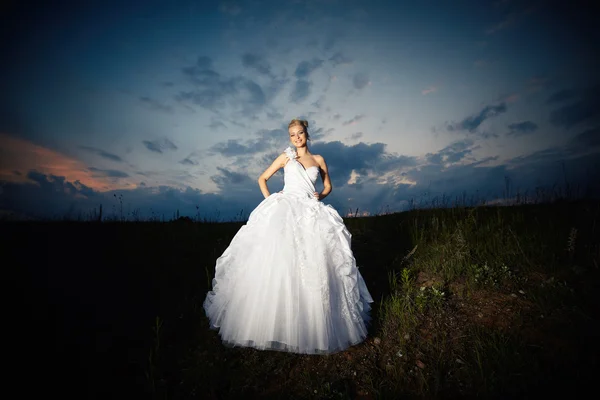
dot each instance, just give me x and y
(288, 280)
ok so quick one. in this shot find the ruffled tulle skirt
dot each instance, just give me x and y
(288, 281)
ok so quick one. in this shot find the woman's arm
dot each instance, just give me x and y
(325, 176)
(275, 166)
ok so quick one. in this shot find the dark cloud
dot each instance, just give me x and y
(452, 153)
(587, 139)
(305, 68)
(561, 95)
(216, 124)
(204, 63)
(572, 115)
(301, 91)
(231, 8)
(256, 62)
(317, 134)
(102, 153)
(354, 119)
(263, 140)
(319, 102)
(112, 173)
(586, 108)
(234, 148)
(54, 197)
(274, 114)
(188, 161)
(362, 158)
(214, 92)
(356, 135)
(13, 120)
(360, 81)
(235, 183)
(512, 11)
(573, 164)
(522, 128)
(49, 196)
(329, 42)
(473, 122)
(159, 145)
(155, 105)
(340, 59)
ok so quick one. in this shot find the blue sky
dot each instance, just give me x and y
(182, 104)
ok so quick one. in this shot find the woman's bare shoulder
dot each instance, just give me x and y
(318, 158)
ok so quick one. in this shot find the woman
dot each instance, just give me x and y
(288, 280)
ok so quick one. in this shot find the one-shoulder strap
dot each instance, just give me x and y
(290, 153)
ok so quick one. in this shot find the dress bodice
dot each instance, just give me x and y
(298, 180)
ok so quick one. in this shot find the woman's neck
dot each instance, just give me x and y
(302, 151)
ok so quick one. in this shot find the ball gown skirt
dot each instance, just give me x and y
(288, 280)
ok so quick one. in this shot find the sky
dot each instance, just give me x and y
(180, 105)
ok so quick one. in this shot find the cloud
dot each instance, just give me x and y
(301, 91)
(155, 105)
(204, 63)
(305, 68)
(536, 83)
(587, 139)
(360, 80)
(522, 128)
(515, 13)
(356, 135)
(111, 173)
(430, 89)
(561, 95)
(318, 134)
(18, 157)
(189, 161)
(572, 115)
(264, 140)
(237, 184)
(503, 24)
(354, 120)
(234, 148)
(159, 145)
(340, 59)
(216, 124)
(573, 163)
(452, 153)
(228, 178)
(380, 180)
(102, 153)
(586, 108)
(50, 196)
(364, 159)
(214, 92)
(231, 8)
(43, 195)
(256, 62)
(473, 122)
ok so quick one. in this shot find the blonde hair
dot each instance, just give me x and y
(301, 122)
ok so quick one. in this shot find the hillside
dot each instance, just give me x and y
(488, 301)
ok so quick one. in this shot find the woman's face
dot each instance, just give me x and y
(297, 135)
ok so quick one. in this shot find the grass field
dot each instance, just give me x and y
(483, 301)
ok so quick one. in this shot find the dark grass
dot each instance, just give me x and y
(509, 309)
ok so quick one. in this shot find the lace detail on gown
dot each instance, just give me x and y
(288, 280)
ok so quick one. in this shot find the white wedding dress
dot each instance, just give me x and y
(288, 281)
